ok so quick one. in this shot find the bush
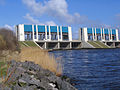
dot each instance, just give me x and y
(10, 38)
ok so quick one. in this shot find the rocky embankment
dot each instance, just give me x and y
(30, 76)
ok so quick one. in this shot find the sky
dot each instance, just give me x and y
(74, 13)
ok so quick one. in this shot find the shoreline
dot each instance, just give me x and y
(28, 75)
(80, 49)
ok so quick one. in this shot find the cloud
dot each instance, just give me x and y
(32, 20)
(52, 23)
(118, 18)
(57, 9)
(117, 21)
(118, 15)
(9, 27)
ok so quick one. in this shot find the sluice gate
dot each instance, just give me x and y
(57, 45)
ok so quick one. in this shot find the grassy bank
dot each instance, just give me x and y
(11, 49)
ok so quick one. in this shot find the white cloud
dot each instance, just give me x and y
(52, 23)
(9, 27)
(32, 20)
(117, 20)
(118, 15)
(55, 8)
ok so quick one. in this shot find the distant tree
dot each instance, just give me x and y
(10, 38)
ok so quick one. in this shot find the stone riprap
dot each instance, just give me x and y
(30, 76)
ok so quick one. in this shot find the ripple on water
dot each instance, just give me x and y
(92, 69)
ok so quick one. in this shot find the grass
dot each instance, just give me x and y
(2, 63)
(30, 43)
(22, 44)
(5, 56)
(94, 44)
(101, 44)
(3, 69)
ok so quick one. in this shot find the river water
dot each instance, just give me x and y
(92, 69)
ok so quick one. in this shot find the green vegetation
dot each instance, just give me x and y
(30, 43)
(3, 69)
(27, 44)
(97, 44)
(94, 44)
(11, 49)
(22, 44)
(101, 44)
(8, 45)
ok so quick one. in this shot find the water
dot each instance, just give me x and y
(97, 69)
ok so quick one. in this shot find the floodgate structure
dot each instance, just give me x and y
(60, 37)
(47, 37)
(100, 37)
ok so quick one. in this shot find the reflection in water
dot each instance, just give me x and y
(92, 69)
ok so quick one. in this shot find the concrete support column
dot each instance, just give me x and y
(45, 32)
(21, 34)
(37, 31)
(45, 45)
(80, 35)
(109, 33)
(70, 45)
(93, 33)
(70, 33)
(58, 33)
(58, 45)
(117, 37)
(61, 33)
(101, 34)
(113, 44)
(85, 35)
(49, 33)
(33, 31)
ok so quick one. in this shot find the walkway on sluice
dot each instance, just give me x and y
(66, 45)
(54, 45)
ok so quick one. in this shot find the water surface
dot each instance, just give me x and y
(97, 69)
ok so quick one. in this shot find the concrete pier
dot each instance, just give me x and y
(60, 37)
(113, 44)
(56, 45)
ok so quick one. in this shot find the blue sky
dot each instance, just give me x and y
(76, 13)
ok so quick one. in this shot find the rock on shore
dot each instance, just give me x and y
(30, 76)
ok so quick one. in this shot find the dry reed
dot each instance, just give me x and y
(42, 58)
(37, 56)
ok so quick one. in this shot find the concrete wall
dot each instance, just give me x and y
(70, 33)
(21, 36)
(21, 33)
(59, 45)
(100, 35)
